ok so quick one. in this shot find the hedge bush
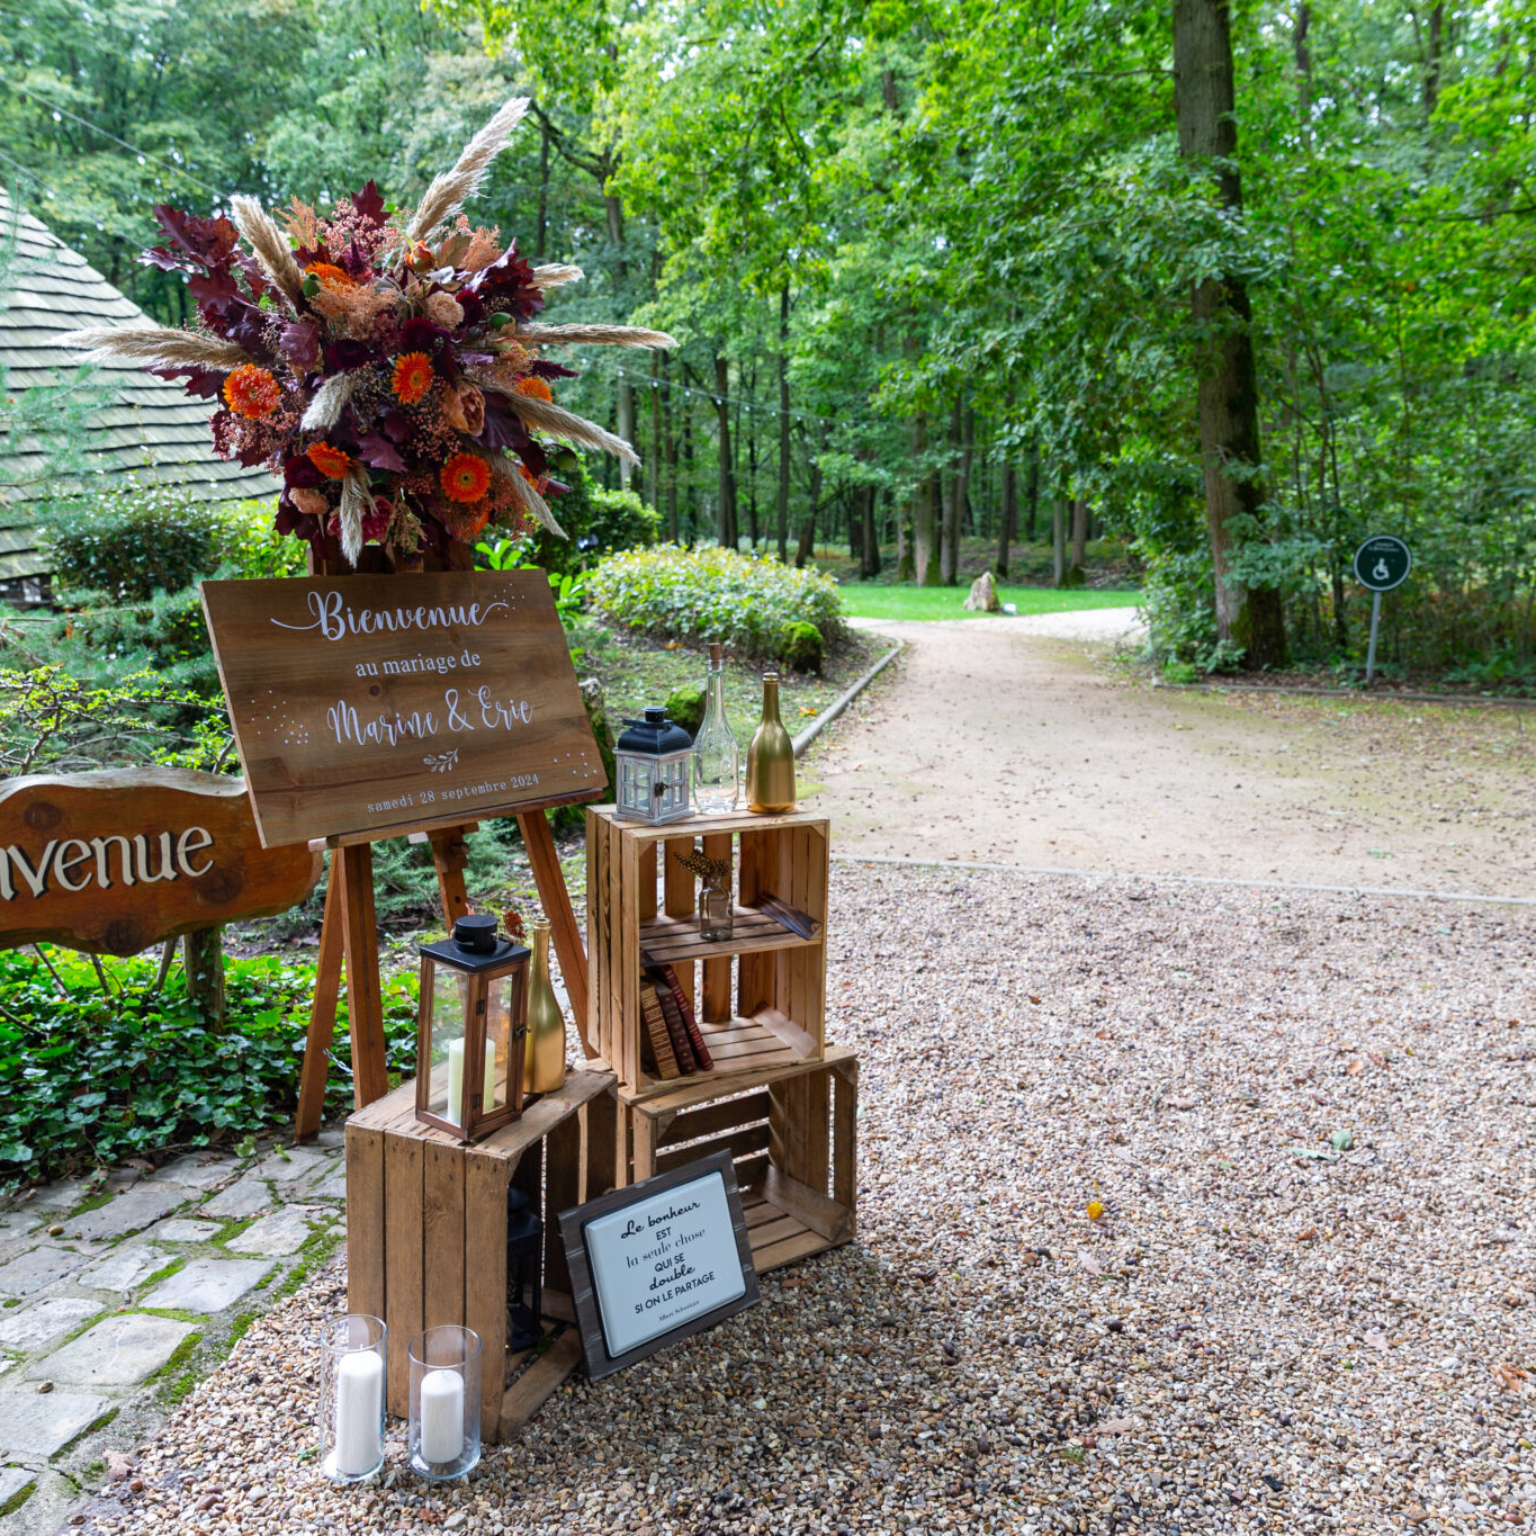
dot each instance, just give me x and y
(131, 541)
(709, 593)
(89, 1077)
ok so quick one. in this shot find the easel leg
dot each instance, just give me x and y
(451, 855)
(540, 843)
(365, 1003)
(322, 1013)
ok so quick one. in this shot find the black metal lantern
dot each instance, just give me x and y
(471, 1029)
(651, 761)
(525, 1254)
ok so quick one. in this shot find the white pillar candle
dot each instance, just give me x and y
(442, 1416)
(359, 1413)
(490, 1075)
(455, 1081)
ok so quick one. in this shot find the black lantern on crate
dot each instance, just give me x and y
(471, 1030)
(525, 1258)
(652, 762)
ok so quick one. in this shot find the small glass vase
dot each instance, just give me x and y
(352, 1397)
(444, 1425)
(716, 914)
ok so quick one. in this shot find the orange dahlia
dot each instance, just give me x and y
(331, 462)
(330, 276)
(534, 387)
(465, 477)
(412, 377)
(252, 392)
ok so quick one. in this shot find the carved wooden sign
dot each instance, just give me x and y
(372, 704)
(115, 861)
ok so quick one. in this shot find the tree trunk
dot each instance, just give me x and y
(1079, 534)
(203, 956)
(1008, 520)
(1032, 491)
(869, 548)
(1228, 396)
(962, 492)
(626, 423)
(670, 427)
(726, 525)
(783, 528)
(541, 229)
(924, 512)
(952, 495)
(905, 570)
(655, 475)
(807, 546)
(1059, 508)
(1432, 62)
(692, 505)
(856, 527)
(753, 532)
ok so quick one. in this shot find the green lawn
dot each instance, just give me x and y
(869, 600)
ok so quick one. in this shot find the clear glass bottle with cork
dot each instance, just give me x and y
(716, 758)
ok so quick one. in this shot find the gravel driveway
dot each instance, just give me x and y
(1309, 1306)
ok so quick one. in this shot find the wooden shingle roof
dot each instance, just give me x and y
(144, 426)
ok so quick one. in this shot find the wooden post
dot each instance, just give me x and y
(547, 876)
(322, 1012)
(203, 953)
(365, 1000)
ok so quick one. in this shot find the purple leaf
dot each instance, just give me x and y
(370, 204)
(300, 344)
(397, 425)
(547, 370)
(378, 451)
(201, 383)
(299, 472)
(345, 355)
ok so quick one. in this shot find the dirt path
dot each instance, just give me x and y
(1010, 741)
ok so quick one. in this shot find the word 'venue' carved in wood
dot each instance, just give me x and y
(114, 861)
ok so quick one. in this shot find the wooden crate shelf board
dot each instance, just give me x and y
(765, 1041)
(675, 940)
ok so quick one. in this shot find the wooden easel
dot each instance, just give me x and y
(349, 929)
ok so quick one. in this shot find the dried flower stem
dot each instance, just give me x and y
(563, 423)
(449, 193)
(271, 247)
(156, 346)
(594, 335)
(553, 275)
(329, 402)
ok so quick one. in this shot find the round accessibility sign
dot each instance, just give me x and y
(1382, 562)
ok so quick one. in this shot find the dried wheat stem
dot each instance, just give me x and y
(271, 247)
(329, 402)
(450, 192)
(355, 504)
(554, 275)
(535, 503)
(576, 429)
(155, 346)
(596, 335)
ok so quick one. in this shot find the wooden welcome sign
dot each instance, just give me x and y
(114, 861)
(366, 706)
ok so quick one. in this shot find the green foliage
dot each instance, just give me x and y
(130, 542)
(706, 593)
(801, 647)
(247, 544)
(621, 520)
(91, 1076)
(685, 705)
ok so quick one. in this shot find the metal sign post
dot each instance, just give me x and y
(1382, 563)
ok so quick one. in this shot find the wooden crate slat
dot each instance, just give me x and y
(403, 1257)
(751, 1170)
(713, 1118)
(629, 959)
(787, 1250)
(365, 1221)
(845, 1116)
(562, 1190)
(534, 1387)
(742, 1143)
(485, 1268)
(717, 971)
(705, 1087)
(647, 893)
(443, 1234)
(667, 939)
(677, 886)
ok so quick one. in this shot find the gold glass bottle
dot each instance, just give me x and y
(544, 1063)
(771, 757)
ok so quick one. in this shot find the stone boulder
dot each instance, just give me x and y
(983, 598)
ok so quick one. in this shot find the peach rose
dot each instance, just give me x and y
(311, 502)
(445, 310)
(464, 409)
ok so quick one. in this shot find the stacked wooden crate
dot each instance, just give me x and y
(782, 1102)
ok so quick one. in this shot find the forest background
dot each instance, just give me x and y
(1237, 287)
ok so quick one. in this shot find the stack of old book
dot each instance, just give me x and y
(671, 1044)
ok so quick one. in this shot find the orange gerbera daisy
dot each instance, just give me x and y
(252, 392)
(331, 462)
(534, 387)
(412, 377)
(330, 276)
(465, 477)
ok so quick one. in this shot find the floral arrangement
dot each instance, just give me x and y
(386, 366)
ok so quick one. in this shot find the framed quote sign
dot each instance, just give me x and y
(367, 705)
(657, 1262)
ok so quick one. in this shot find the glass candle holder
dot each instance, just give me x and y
(716, 914)
(445, 1402)
(352, 1397)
